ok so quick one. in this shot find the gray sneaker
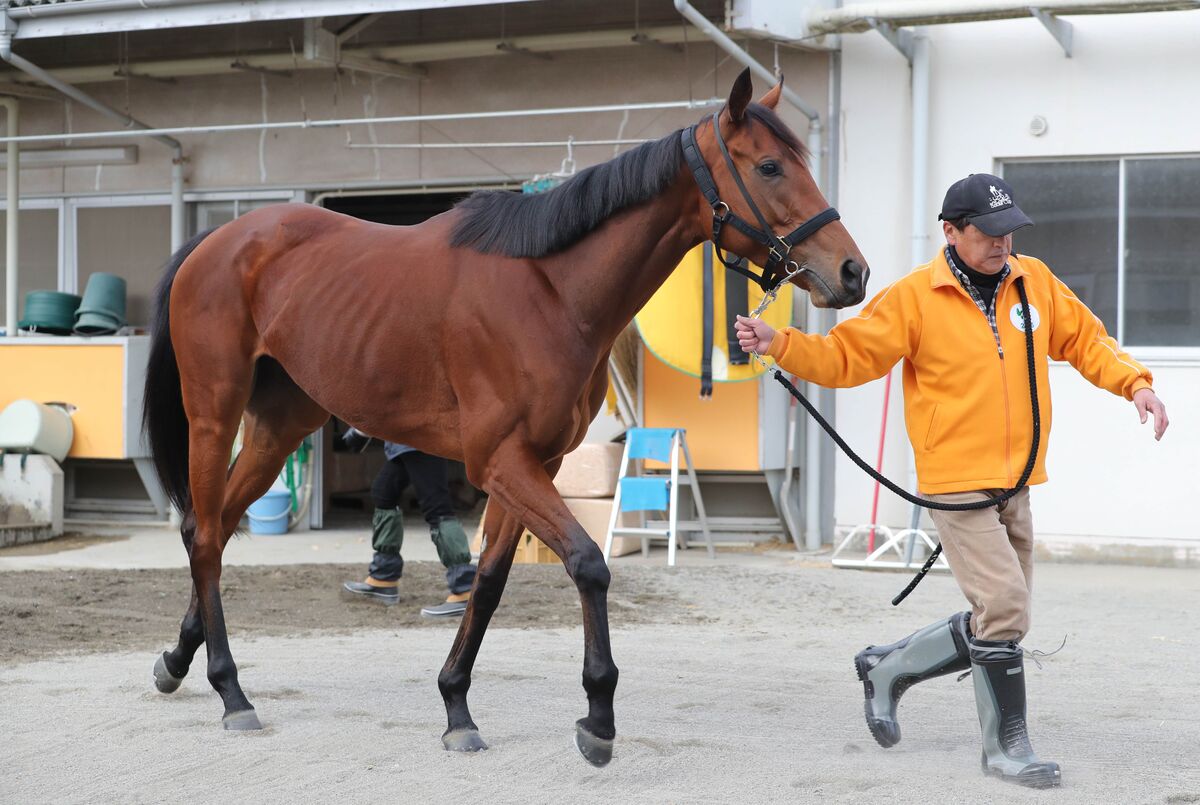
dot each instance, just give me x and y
(455, 604)
(361, 589)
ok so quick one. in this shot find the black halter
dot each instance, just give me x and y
(778, 265)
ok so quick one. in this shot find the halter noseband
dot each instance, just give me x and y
(778, 248)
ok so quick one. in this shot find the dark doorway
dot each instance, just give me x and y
(397, 210)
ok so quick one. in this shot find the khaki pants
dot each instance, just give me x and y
(990, 552)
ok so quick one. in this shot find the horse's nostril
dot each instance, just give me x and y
(853, 278)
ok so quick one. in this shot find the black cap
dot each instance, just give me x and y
(985, 201)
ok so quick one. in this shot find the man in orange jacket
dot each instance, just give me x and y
(957, 324)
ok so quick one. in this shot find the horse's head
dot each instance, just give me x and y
(765, 204)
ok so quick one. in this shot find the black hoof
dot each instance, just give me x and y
(597, 751)
(164, 680)
(242, 720)
(463, 740)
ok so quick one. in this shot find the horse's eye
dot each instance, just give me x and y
(769, 169)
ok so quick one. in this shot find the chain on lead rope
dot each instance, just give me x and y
(769, 297)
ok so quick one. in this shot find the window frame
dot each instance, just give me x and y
(58, 205)
(1161, 355)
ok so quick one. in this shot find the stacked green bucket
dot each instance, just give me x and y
(50, 312)
(102, 311)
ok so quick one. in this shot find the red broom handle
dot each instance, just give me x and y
(887, 393)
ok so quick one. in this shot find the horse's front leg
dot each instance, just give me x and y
(501, 532)
(521, 482)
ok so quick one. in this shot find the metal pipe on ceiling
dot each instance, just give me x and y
(404, 54)
(365, 121)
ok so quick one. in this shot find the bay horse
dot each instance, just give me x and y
(480, 335)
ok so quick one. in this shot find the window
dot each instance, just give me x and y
(131, 242)
(1123, 234)
(206, 215)
(37, 234)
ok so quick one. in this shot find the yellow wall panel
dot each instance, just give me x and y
(722, 432)
(90, 377)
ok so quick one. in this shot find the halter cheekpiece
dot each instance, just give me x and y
(778, 248)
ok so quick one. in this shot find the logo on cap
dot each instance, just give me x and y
(999, 197)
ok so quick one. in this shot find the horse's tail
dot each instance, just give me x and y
(163, 418)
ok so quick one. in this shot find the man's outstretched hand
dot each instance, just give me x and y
(1148, 404)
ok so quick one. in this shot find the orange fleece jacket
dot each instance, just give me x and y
(966, 400)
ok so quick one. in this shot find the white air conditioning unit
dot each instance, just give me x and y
(780, 20)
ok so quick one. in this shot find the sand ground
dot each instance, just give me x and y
(736, 686)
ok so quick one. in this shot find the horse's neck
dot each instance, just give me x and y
(609, 276)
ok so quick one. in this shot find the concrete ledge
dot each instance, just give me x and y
(31, 499)
(25, 533)
(1146, 553)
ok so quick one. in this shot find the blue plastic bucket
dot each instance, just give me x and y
(269, 514)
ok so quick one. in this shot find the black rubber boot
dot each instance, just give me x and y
(998, 667)
(888, 671)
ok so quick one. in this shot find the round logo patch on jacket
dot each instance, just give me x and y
(1018, 320)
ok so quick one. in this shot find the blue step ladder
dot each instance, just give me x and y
(656, 492)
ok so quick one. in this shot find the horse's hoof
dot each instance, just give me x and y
(164, 680)
(597, 751)
(463, 740)
(242, 720)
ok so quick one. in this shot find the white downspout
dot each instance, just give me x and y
(76, 94)
(919, 249)
(12, 176)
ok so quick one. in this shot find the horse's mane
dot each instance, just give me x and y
(520, 225)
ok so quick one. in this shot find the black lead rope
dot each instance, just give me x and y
(925, 502)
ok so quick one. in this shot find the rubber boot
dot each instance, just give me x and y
(888, 671)
(998, 668)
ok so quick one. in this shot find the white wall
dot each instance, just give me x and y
(1129, 89)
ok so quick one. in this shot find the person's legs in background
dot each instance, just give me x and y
(430, 479)
(387, 536)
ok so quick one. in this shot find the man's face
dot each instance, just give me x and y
(981, 252)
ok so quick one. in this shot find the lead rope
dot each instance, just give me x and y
(1003, 497)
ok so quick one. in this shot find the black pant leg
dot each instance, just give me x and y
(389, 483)
(430, 477)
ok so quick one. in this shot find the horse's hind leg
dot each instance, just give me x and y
(501, 531)
(172, 666)
(525, 488)
(214, 408)
(278, 416)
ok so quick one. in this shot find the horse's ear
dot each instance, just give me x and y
(739, 97)
(771, 99)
